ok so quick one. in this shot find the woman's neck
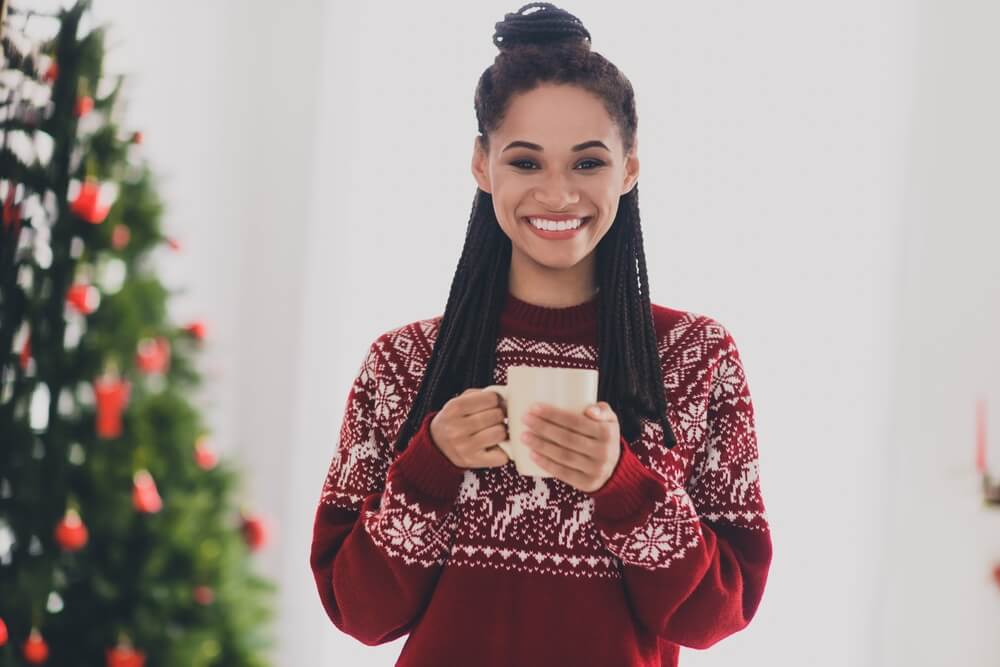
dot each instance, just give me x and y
(552, 288)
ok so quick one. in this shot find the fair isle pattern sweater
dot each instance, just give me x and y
(486, 567)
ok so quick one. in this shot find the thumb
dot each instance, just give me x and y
(599, 410)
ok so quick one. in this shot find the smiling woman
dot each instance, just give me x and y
(651, 533)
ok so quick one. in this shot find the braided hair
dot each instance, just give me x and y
(541, 43)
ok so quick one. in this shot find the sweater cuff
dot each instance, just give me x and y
(631, 488)
(425, 468)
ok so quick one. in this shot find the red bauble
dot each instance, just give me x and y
(173, 243)
(71, 533)
(84, 105)
(996, 573)
(124, 656)
(254, 532)
(36, 651)
(11, 212)
(52, 72)
(196, 329)
(204, 595)
(88, 203)
(3, 632)
(145, 497)
(84, 298)
(153, 355)
(25, 353)
(120, 236)
(204, 455)
(137, 137)
(112, 397)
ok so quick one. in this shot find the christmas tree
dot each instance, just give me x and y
(122, 538)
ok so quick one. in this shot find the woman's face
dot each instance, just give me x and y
(576, 167)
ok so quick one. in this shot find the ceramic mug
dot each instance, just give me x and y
(572, 389)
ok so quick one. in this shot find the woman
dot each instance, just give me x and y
(652, 532)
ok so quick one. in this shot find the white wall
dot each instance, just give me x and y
(798, 170)
(938, 598)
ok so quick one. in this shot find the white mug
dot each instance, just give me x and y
(572, 389)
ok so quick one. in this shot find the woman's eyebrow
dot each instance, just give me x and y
(578, 147)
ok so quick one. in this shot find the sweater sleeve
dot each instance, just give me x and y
(695, 556)
(384, 525)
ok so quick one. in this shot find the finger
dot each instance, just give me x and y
(601, 411)
(567, 457)
(572, 421)
(477, 400)
(569, 475)
(586, 445)
(478, 421)
(494, 457)
(488, 438)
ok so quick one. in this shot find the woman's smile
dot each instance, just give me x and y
(557, 234)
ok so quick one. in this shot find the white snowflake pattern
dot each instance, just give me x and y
(650, 543)
(386, 399)
(406, 532)
(728, 378)
(693, 420)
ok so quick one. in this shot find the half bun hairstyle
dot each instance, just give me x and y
(541, 43)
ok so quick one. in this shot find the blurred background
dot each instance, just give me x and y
(819, 177)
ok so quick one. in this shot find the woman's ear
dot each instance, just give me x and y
(480, 169)
(631, 168)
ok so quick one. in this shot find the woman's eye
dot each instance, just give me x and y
(595, 163)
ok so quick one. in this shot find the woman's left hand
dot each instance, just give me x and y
(580, 449)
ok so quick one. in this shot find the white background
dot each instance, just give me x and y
(820, 177)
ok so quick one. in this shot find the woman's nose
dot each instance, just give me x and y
(556, 193)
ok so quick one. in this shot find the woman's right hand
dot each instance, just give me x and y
(468, 427)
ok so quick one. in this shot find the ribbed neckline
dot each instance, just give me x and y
(577, 322)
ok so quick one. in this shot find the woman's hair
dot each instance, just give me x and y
(544, 44)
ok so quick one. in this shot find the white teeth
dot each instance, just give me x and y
(553, 226)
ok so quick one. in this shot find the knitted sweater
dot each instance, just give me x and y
(487, 567)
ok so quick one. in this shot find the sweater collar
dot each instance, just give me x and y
(576, 323)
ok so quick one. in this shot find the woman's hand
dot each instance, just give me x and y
(468, 427)
(580, 449)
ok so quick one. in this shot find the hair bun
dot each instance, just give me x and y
(539, 23)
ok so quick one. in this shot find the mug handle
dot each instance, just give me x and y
(504, 445)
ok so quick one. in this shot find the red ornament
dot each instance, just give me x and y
(254, 532)
(84, 105)
(204, 595)
(52, 72)
(112, 397)
(173, 243)
(145, 497)
(11, 213)
(996, 573)
(204, 455)
(84, 298)
(36, 651)
(120, 236)
(196, 329)
(137, 137)
(3, 632)
(71, 533)
(124, 656)
(25, 353)
(89, 203)
(153, 355)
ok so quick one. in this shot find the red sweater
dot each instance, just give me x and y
(487, 567)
